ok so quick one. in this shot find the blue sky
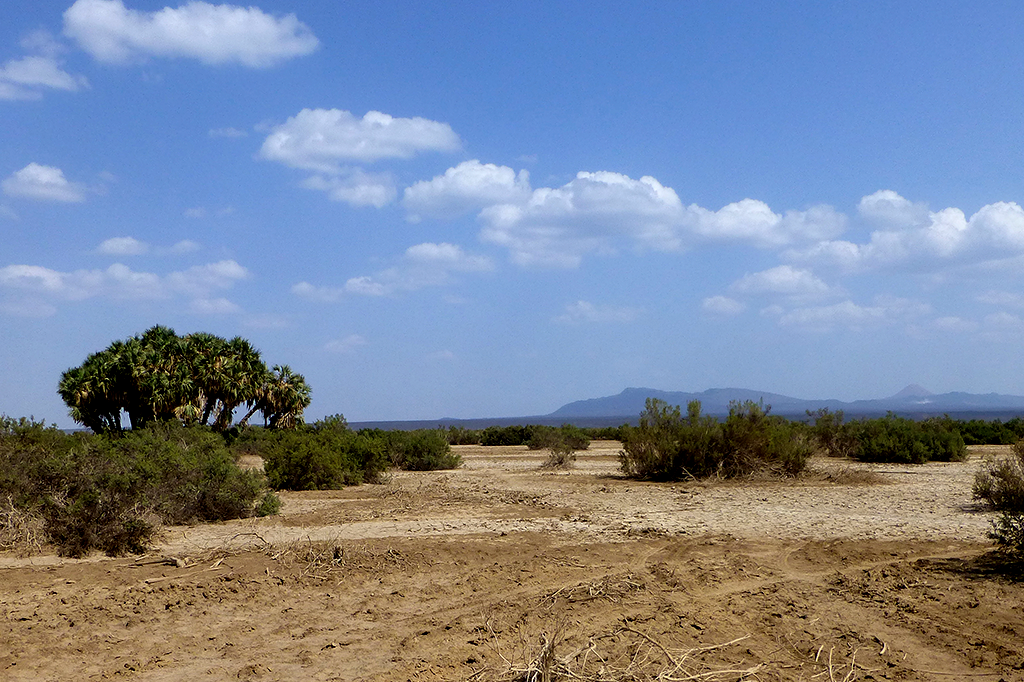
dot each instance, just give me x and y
(472, 210)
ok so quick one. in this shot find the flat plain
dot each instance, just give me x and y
(502, 570)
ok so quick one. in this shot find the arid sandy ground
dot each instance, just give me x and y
(465, 574)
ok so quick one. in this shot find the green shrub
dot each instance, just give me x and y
(833, 437)
(1008, 533)
(665, 446)
(901, 440)
(421, 450)
(325, 456)
(1001, 482)
(567, 435)
(108, 493)
(506, 435)
(459, 435)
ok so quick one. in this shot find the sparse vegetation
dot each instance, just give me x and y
(110, 493)
(1001, 484)
(326, 455)
(666, 446)
(421, 450)
(898, 439)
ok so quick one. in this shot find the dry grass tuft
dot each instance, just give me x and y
(644, 659)
(20, 531)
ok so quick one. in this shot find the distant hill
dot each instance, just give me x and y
(913, 400)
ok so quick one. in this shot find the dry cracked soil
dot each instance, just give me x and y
(502, 570)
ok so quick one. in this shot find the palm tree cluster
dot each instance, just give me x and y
(198, 378)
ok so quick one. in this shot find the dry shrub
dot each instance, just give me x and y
(563, 456)
(20, 531)
(643, 659)
(322, 559)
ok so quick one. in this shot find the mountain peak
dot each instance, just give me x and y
(914, 391)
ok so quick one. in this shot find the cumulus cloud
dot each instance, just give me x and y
(27, 78)
(315, 293)
(324, 139)
(421, 266)
(753, 222)
(130, 246)
(586, 312)
(122, 246)
(556, 227)
(214, 306)
(119, 282)
(212, 34)
(355, 188)
(723, 305)
(43, 183)
(847, 314)
(599, 212)
(349, 344)
(783, 280)
(890, 209)
(470, 186)
(910, 236)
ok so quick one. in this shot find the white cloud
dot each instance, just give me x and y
(954, 324)
(556, 227)
(596, 212)
(122, 246)
(586, 312)
(214, 306)
(227, 132)
(890, 209)
(25, 78)
(349, 344)
(44, 183)
(753, 222)
(885, 310)
(911, 236)
(421, 266)
(441, 355)
(1001, 298)
(467, 187)
(723, 305)
(8, 213)
(213, 34)
(323, 139)
(355, 188)
(22, 286)
(314, 293)
(201, 279)
(784, 280)
(185, 246)
(195, 213)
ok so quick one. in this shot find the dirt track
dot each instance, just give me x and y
(458, 575)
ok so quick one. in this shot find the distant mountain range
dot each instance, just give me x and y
(912, 400)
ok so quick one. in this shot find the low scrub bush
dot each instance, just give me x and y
(1000, 482)
(667, 446)
(460, 435)
(567, 435)
(1008, 533)
(421, 450)
(325, 456)
(109, 493)
(833, 436)
(506, 435)
(901, 440)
